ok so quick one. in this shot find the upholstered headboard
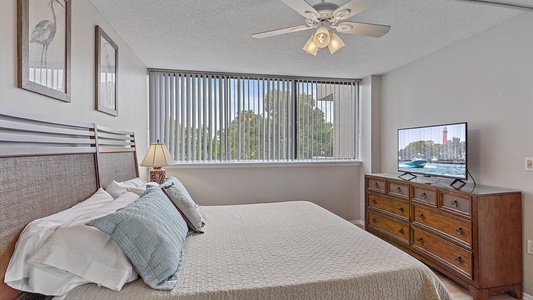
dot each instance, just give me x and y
(48, 165)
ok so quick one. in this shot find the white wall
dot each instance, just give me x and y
(334, 187)
(369, 137)
(486, 80)
(132, 76)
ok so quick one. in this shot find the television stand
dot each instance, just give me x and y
(457, 187)
(413, 176)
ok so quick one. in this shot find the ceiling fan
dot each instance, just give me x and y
(325, 16)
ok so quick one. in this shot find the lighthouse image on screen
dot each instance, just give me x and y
(438, 150)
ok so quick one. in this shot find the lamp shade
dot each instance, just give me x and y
(157, 156)
(335, 43)
(321, 38)
(310, 46)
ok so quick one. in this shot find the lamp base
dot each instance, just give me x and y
(157, 175)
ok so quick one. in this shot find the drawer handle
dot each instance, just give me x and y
(421, 240)
(454, 203)
(459, 260)
(376, 185)
(374, 201)
(401, 209)
(398, 190)
(423, 195)
(421, 216)
(374, 220)
(401, 231)
(459, 230)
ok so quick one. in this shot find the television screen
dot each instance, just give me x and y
(438, 150)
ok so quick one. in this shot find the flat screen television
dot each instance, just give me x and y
(436, 150)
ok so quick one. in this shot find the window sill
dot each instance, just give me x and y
(338, 163)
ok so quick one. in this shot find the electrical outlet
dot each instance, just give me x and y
(530, 246)
(529, 163)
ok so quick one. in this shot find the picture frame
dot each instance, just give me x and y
(43, 47)
(106, 73)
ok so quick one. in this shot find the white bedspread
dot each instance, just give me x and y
(290, 250)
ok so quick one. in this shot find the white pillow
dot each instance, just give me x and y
(85, 251)
(58, 282)
(136, 185)
(35, 234)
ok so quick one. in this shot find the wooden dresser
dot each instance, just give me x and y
(472, 235)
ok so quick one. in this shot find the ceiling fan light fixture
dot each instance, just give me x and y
(322, 37)
(335, 43)
(310, 47)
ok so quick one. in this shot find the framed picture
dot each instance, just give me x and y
(106, 73)
(44, 47)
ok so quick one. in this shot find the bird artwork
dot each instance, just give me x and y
(44, 32)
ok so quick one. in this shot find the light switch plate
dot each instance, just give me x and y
(529, 163)
(530, 246)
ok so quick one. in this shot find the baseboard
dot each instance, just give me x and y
(359, 223)
(527, 297)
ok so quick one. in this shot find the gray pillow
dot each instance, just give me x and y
(175, 181)
(151, 232)
(186, 207)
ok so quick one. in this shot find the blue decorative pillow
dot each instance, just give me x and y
(151, 232)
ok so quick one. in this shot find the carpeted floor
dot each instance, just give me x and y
(460, 293)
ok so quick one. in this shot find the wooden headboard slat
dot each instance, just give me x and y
(116, 149)
(103, 134)
(20, 126)
(27, 151)
(48, 165)
(30, 138)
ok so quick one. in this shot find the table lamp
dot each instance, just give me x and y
(157, 157)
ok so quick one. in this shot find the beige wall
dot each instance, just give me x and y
(132, 76)
(486, 80)
(334, 187)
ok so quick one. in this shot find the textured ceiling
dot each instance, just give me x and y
(217, 35)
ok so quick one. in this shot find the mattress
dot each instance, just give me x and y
(290, 250)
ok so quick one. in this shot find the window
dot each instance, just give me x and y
(207, 117)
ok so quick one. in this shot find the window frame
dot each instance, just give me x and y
(294, 81)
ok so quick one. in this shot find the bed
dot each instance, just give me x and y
(288, 250)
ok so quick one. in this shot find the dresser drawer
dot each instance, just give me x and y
(391, 205)
(457, 202)
(425, 195)
(376, 185)
(398, 229)
(399, 189)
(452, 227)
(447, 253)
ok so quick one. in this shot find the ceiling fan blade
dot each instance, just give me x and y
(303, 8)
(353, 7)
(280, 31)
(373, 30)
(502, 4)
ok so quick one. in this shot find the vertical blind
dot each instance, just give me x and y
(208, 117)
